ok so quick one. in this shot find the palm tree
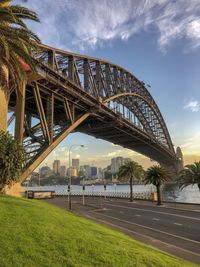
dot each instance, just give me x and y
(16, 45)
(156, 175)
(190, 175)
(131, 170)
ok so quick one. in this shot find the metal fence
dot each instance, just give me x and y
(136, 195)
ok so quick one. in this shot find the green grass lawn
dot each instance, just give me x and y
(34, 233)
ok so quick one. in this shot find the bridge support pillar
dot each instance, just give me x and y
(180, 161)
(17, 189)
(50, 147)
(19, 113)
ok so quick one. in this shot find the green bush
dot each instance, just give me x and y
(12, 160)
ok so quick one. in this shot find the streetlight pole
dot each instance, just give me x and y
(70, 178)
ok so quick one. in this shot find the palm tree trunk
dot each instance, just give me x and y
(159, 195)
(4, 98)
(131, 189)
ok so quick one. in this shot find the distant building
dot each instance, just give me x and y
(63, 171)
(73, 172)
(100, 172)
(87, 171)
(82, 171)
(56, 166)
(45, 171)
(93, 172)
(75, 164)
(116, 163)
(107, 173)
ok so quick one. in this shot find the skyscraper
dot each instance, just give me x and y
(87, 171)
(63, 171)
(56, 166)
(75, 164)
(94, 171)
(116, 163)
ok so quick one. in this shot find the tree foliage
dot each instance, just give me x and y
(156, 175)
(130, 169)
(16, 44)
(190, 175)
(12, 160)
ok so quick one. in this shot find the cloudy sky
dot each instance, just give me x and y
(157, 40)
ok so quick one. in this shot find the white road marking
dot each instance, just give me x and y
(156, 219)
(137, 233)
(138, 215)
(179, 224)
(150, 228)
(168, 207)
(159, 212)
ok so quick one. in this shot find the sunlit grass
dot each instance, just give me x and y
(34, 233)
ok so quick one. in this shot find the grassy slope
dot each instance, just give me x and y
(34, 233)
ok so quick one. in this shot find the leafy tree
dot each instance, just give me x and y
(156, 175)
(12, 160)
(16, 45)
(131, 170)
(190, 175)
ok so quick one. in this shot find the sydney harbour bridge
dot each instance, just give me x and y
(77, 93)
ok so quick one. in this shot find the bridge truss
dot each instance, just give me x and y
(72, 92)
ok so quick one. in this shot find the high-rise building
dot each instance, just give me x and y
(113, 165)
(82, 171)
(87, 171)
(56, 166)
(63, 171)
(100, 172)
(75, 164)
(72, 172)
(116, 163)
(93, 171)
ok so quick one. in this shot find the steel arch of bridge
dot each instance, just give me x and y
(72, 92)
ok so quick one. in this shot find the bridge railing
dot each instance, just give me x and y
(136, 195)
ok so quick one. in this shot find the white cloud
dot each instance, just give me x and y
(90, 23)
(192, 105)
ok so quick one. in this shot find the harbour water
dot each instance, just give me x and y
(189, 194)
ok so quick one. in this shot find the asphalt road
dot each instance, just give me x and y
(171, 229)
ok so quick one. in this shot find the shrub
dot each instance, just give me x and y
(12, 160)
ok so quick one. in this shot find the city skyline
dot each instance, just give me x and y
(77, 170)
(159, 42)
(57, 165)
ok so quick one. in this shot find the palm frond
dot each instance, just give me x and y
(16, 43)
(156, 175)
(190, 175)
(130, 170)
